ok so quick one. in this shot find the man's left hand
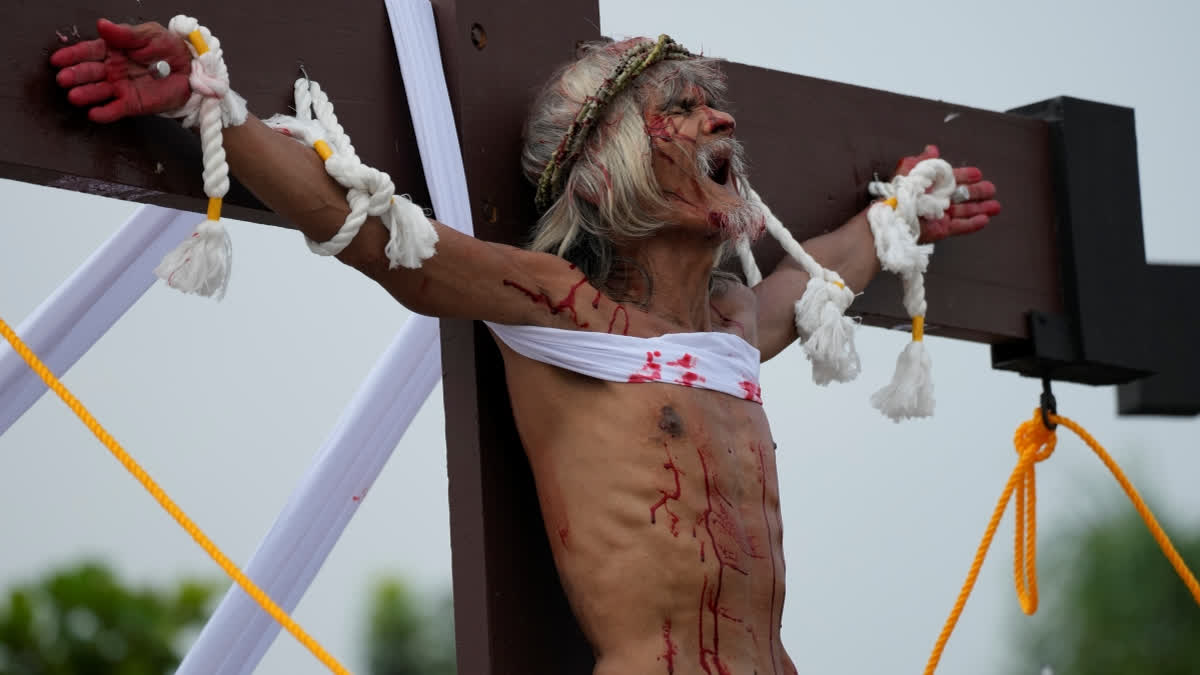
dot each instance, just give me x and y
(964, 217)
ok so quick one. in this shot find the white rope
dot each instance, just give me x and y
(369, 192)
(820, 313)
(749, 266)
(924, 193)
(201, 264)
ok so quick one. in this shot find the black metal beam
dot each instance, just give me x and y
(1124, 322)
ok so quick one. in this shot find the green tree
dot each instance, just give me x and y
(409, 635)
(83, 621)
(1113, 605)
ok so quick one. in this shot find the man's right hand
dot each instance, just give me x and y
(111, 74)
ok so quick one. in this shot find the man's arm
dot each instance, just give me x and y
(466, 277)
(850, 251)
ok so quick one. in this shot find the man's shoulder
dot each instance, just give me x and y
(727, 289)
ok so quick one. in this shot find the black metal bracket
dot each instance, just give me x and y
(1048, 405)
(1124, 321)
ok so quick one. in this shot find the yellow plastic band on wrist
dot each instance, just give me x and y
(197, 40)
(892, 202)
(918, 328)
(323, 150)
(214, 208)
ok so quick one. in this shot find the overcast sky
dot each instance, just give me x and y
(225, 404)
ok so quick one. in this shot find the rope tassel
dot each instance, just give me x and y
(202, 263)
(896, 225)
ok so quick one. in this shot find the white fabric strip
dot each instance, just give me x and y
(87, 304)
(356, 450)
(718, 361)
(286, 562)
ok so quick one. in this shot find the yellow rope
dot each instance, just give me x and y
(1035, 443)
(184, 521)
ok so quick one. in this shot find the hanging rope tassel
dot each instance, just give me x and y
(1035, 443)
(202, 263)
(896, 225)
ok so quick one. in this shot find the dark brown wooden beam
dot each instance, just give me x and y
(511, 615)
(346, 46)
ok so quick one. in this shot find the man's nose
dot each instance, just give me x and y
(719, 123)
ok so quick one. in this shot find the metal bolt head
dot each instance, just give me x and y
(160, 69)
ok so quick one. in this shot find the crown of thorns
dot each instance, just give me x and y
(633, 62)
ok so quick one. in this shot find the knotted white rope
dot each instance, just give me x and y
(201, 264)
(370, 192)
(827, 333)
(896, 223)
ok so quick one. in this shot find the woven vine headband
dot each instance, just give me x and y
(633, 63)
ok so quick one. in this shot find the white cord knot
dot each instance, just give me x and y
(209, 79)
(369, 191)
(829, 333)
(202, 263)
(896, 224)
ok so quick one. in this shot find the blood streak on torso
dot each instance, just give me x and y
(671, 650)
(729, 542)
(667, 495)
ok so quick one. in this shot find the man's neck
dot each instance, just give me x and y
(679, 268)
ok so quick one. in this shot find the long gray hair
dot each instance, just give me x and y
(611, 195)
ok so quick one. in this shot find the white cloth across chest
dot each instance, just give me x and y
(718, 361)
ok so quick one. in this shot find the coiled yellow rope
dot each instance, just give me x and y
(167, 503)
(1035, 443)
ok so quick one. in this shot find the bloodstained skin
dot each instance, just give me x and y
(757, 448)
(671, 651)
(727, 557)
(666, 495)
(563, 532)
(726, 321)
(568, 303)
(618, 308)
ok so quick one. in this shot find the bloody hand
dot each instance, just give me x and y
(111, 74)
(962, 218)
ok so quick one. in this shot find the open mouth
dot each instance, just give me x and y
(719, 170)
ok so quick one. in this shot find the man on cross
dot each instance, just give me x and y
(631, 359)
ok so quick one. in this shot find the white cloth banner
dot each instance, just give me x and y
(288, 559)
(87, 304)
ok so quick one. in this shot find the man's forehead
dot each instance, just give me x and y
(669, 92)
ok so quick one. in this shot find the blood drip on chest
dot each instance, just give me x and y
(667, 495)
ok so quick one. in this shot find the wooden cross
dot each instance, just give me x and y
(1068, 170)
